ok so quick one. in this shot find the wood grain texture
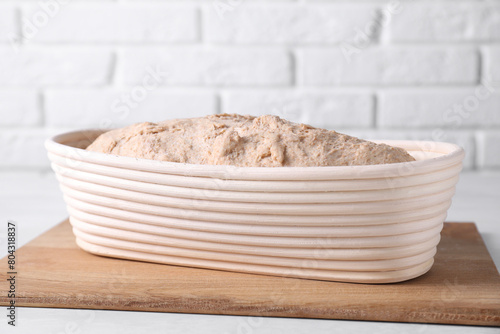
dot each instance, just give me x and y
(463, 287)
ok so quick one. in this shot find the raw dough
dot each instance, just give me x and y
(230, 139)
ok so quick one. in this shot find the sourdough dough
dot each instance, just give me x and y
(230, 139)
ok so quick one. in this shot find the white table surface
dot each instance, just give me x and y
(34, 201)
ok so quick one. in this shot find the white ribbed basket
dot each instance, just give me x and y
(364, 224)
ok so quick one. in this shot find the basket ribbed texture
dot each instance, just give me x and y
(364, 224)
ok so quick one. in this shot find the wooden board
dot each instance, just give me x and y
(463, 287)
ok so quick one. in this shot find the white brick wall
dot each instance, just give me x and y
(20, 107)
(455, 109)
(113, 23)
(388, 65)
(107, 108)
(8, 23)
(201, 66)
(445, 22)
(45, 66)
(284, 23)
(420, 69)
(325, 109)
(489, 157)
(23, 149)
(491, 63)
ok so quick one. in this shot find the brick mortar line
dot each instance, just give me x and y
(258, 46)
(41, 106)
(113, 69)
(298, 89)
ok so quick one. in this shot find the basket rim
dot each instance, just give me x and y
(450, 154)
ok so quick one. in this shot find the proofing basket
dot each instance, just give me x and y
(363, 224)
